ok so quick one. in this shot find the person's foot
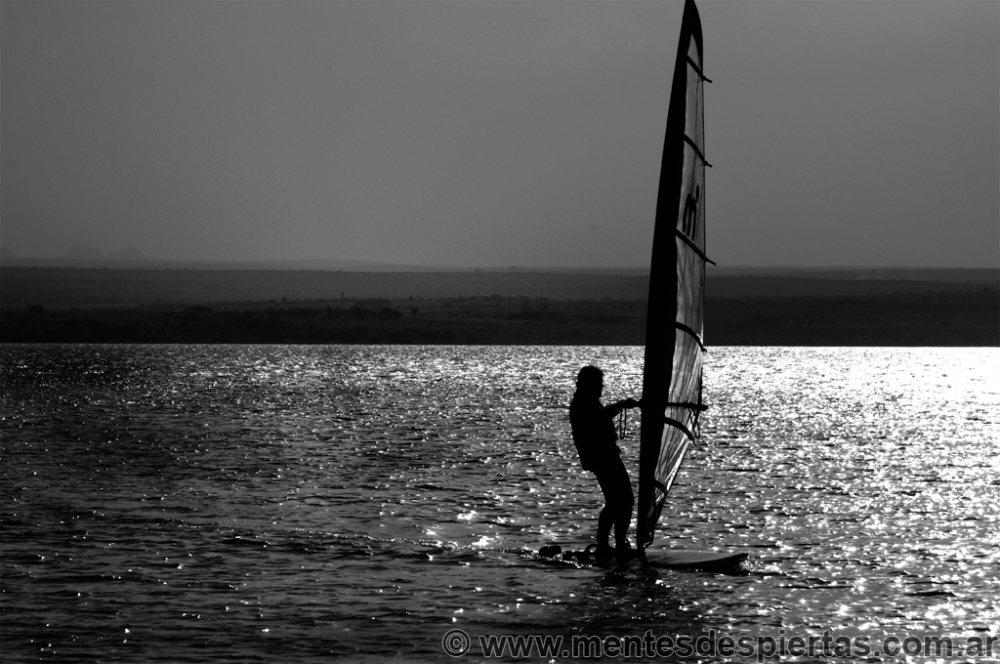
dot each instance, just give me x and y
(604, 552)
(624, 552)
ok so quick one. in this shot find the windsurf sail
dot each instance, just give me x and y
(672, 368)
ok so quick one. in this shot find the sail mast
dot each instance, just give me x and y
(671, 390)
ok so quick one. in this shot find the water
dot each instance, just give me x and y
(302, 504)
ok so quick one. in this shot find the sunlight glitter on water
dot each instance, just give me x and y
(295, 502)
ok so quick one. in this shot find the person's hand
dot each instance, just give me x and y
(631, 403)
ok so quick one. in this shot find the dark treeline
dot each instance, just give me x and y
(67, 288)
(958, 318)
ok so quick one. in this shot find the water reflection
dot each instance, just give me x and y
(299, 502)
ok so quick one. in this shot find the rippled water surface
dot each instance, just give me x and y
(199, 503)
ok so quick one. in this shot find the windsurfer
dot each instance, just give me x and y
(596, 442)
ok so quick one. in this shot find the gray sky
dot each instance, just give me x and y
(497, 132)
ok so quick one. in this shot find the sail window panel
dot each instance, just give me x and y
(694, 53)
(674, 447)
(695, 117)
(691, 203)
(691, 288)
(686, 386)
(694, 120)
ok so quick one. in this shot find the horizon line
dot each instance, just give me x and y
(359, 265)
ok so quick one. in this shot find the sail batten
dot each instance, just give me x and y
(694, 248)
(697, 150)
(672, 368)
(697, 68)
(697, 337)
(674, 423)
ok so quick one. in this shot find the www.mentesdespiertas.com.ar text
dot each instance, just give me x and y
(712, 643)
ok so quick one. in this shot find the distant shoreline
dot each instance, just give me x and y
(976, 274)
(89, 288)
(312, 307)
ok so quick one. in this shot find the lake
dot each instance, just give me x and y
(307, 503)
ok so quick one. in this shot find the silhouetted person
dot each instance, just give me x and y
(596, 442)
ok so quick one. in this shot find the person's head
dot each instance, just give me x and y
(590, 381)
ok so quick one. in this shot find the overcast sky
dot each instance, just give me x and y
(497, 132)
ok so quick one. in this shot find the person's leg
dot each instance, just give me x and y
(621, 527)
(604, 523)
(606, 519)
(619, 500)
(624, 500)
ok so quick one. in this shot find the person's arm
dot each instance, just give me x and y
(613, 409)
